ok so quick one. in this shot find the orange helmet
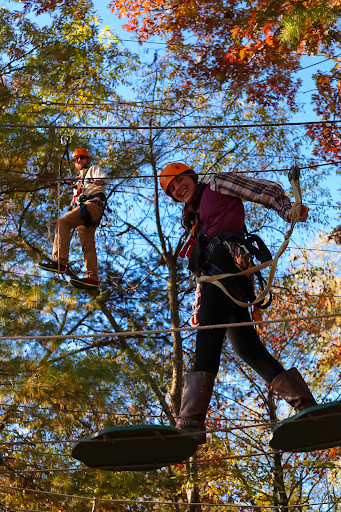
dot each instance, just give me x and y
(170, 171)
(80, 152)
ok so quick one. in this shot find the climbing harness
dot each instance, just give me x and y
(251, 242)
(84, 212)
(81, 181)
(241, 249)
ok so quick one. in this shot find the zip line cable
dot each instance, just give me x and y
(291, 248)
(264, 424)
(200, 462)
(240, 506)
(267, 425)
(141, 177)
(127, 416)
(169, 127)
(265, 170)
(244, 458)
(204, 461)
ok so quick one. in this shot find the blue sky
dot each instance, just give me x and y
(310, 64)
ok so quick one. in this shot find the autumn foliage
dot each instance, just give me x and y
(251, 48)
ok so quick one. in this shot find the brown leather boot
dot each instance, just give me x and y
(196, 396)
(291, 386)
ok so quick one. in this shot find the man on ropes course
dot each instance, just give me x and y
(85, 213)
(215, 214)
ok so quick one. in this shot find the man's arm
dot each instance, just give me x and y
(97, 175)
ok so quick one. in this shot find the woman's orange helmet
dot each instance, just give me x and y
(172, 170)
(80, 152)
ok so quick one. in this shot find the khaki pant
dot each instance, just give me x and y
(72, 220)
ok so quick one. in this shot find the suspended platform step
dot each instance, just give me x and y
(135, 448)
(315, 428)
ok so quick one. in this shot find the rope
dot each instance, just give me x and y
(295, 215)
(65, 141)
(57, 227)
(170, 330)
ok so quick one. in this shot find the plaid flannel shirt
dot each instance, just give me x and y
(267, 193)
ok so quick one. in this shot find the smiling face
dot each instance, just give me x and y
(182, 188)
(80, 161)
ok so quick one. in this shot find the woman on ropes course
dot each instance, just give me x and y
(215, 213)
(85, 213)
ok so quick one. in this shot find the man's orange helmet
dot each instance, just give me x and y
(172, 170)
(80, 152)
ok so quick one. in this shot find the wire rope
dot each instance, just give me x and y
(264, 424)
(170, 127)
(241, 506)
(141, 177)
(199, 461)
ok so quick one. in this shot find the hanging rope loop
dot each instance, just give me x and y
(65, 141)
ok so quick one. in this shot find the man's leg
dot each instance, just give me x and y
(62, 238)
(87, 240)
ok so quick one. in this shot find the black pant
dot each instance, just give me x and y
(217, 308)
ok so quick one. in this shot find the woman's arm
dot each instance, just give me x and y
(265, 192)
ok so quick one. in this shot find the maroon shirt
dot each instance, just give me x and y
(220, 213)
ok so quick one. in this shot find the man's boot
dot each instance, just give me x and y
(196, 396)
(291, 386)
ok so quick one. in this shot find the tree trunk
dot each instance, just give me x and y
(172, 291)
(280, 495)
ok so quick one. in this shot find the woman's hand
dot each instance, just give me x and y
(54, 223)
(304, 211)
(194, 320)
